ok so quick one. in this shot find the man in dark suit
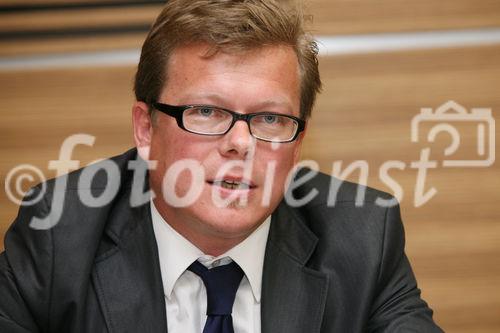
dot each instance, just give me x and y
(205, 239)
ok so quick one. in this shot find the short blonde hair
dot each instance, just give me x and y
(228, 25)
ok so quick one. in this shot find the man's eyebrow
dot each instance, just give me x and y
(211, 98)
(217, 100)
(281, 106)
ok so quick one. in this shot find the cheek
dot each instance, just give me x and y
(170, 144)
(286, 155)
(283, 169)
(283, 159)
(178, 149)
(165, 151)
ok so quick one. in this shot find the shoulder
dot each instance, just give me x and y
(325, 190)
(52, 246)
(350, 221)
(100, 175)
(67, 215)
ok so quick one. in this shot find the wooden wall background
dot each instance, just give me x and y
(364, 113)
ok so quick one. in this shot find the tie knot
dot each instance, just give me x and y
(221, 283)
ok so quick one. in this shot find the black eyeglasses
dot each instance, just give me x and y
(212, 120)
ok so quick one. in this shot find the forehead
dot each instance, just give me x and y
(235, 79)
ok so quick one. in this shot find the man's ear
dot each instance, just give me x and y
(143, 129)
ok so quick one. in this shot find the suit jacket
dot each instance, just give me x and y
(326, 269)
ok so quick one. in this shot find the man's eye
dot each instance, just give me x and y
(206, 112)
(269, 119)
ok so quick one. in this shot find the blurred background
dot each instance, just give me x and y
(67, 67)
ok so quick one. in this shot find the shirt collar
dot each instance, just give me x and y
(249, 255)
(177, 253)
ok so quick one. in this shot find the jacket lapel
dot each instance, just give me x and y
(293, 295)
(127, 276)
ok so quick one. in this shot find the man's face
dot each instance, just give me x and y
(265, 79)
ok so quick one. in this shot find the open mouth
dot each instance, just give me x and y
(232, 184)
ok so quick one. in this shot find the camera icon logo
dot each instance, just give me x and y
(451, 118)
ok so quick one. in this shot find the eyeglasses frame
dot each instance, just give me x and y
(177, 111)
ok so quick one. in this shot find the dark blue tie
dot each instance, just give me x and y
(221, 283)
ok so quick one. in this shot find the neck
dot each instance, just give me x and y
(208, 239)
(212, 245)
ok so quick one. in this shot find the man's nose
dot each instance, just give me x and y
(238, 142)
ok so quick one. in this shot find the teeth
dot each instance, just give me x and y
(232, 184)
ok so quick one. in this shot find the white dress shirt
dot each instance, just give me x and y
(185, 293)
